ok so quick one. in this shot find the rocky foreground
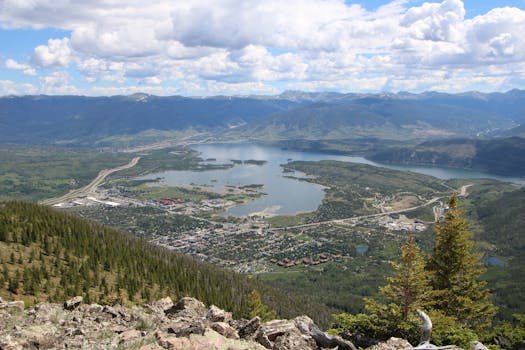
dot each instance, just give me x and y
(187, 324)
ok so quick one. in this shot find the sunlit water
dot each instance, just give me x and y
(283, 195)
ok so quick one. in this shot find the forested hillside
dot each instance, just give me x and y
(390, 116)
(88, 120)
(49, 255)
(484, 155)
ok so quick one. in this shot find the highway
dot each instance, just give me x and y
(341, 221)
(91, 186)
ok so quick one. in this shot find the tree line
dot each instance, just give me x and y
(48, 255)
(446, 284)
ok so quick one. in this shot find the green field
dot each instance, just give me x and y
(38, 172)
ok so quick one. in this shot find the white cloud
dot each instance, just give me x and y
(205, 45)
(8, 87)
(497, 37)
(57, 83)
(25, 68)
(57, 53)
(435, 21)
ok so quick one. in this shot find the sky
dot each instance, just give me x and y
(263, 47)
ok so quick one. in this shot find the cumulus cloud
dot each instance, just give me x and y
(497, 36)
(57, 83)
(57, 53)
(435, 21)
(9, 87)
(206, 45)
(25, 68)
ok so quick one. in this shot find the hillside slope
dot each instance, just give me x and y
(86, 120)
(49, 255)
(392, 116)
(498, 156)
(81, 120)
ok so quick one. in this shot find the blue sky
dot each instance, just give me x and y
(229, 47)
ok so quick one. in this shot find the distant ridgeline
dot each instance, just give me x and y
(50, 255)
(504, 156)
(400, 117)
(81, 120)
(293, 115)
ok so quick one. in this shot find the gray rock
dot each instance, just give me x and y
(160, 306)
(391, 344)
(16, 306)
(294, 339)
(110, 311)
(129, 336)
(476, 345)
(40, 336)
(9, 344)
(73, 303)
(187, 304)
(225, 330)
(94, 308)
(269, 331)
(184, 327)
(248, 330)
(218, 315)
(307, 327)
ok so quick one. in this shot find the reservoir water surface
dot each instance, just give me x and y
(283, 195)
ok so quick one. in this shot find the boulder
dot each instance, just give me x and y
(17, 306)
(129, 336)
(476, 345)
(160, 306)
(218, 315)
(391, 344)
(9, 344)
(307, 327)
(183, 327)
(248, 329)
(174, 343)
(40, 336)
(269, 331)
(110, 311)
(294, 339)
(73, 303)
(186, 304)
(213, 340)
(225, 330)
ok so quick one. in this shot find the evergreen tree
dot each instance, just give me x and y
(257, 308)
(455, 269)
(409, 288)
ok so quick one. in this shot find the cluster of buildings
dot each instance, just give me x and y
(171, 201)
(321, 259)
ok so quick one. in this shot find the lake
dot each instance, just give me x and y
(284, 195)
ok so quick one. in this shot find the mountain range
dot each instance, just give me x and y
(81, 120)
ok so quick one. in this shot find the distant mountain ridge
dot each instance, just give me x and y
(85, 120)
(505, 156)
(392, 116)
(81, 120)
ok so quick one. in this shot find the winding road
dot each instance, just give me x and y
(91, 186)
(341, 221)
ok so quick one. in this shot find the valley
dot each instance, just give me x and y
(363, 216)
(308, 198)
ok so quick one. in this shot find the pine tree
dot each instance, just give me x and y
(455, 270)
(407, 290)
(257, 308)
(409, 287)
